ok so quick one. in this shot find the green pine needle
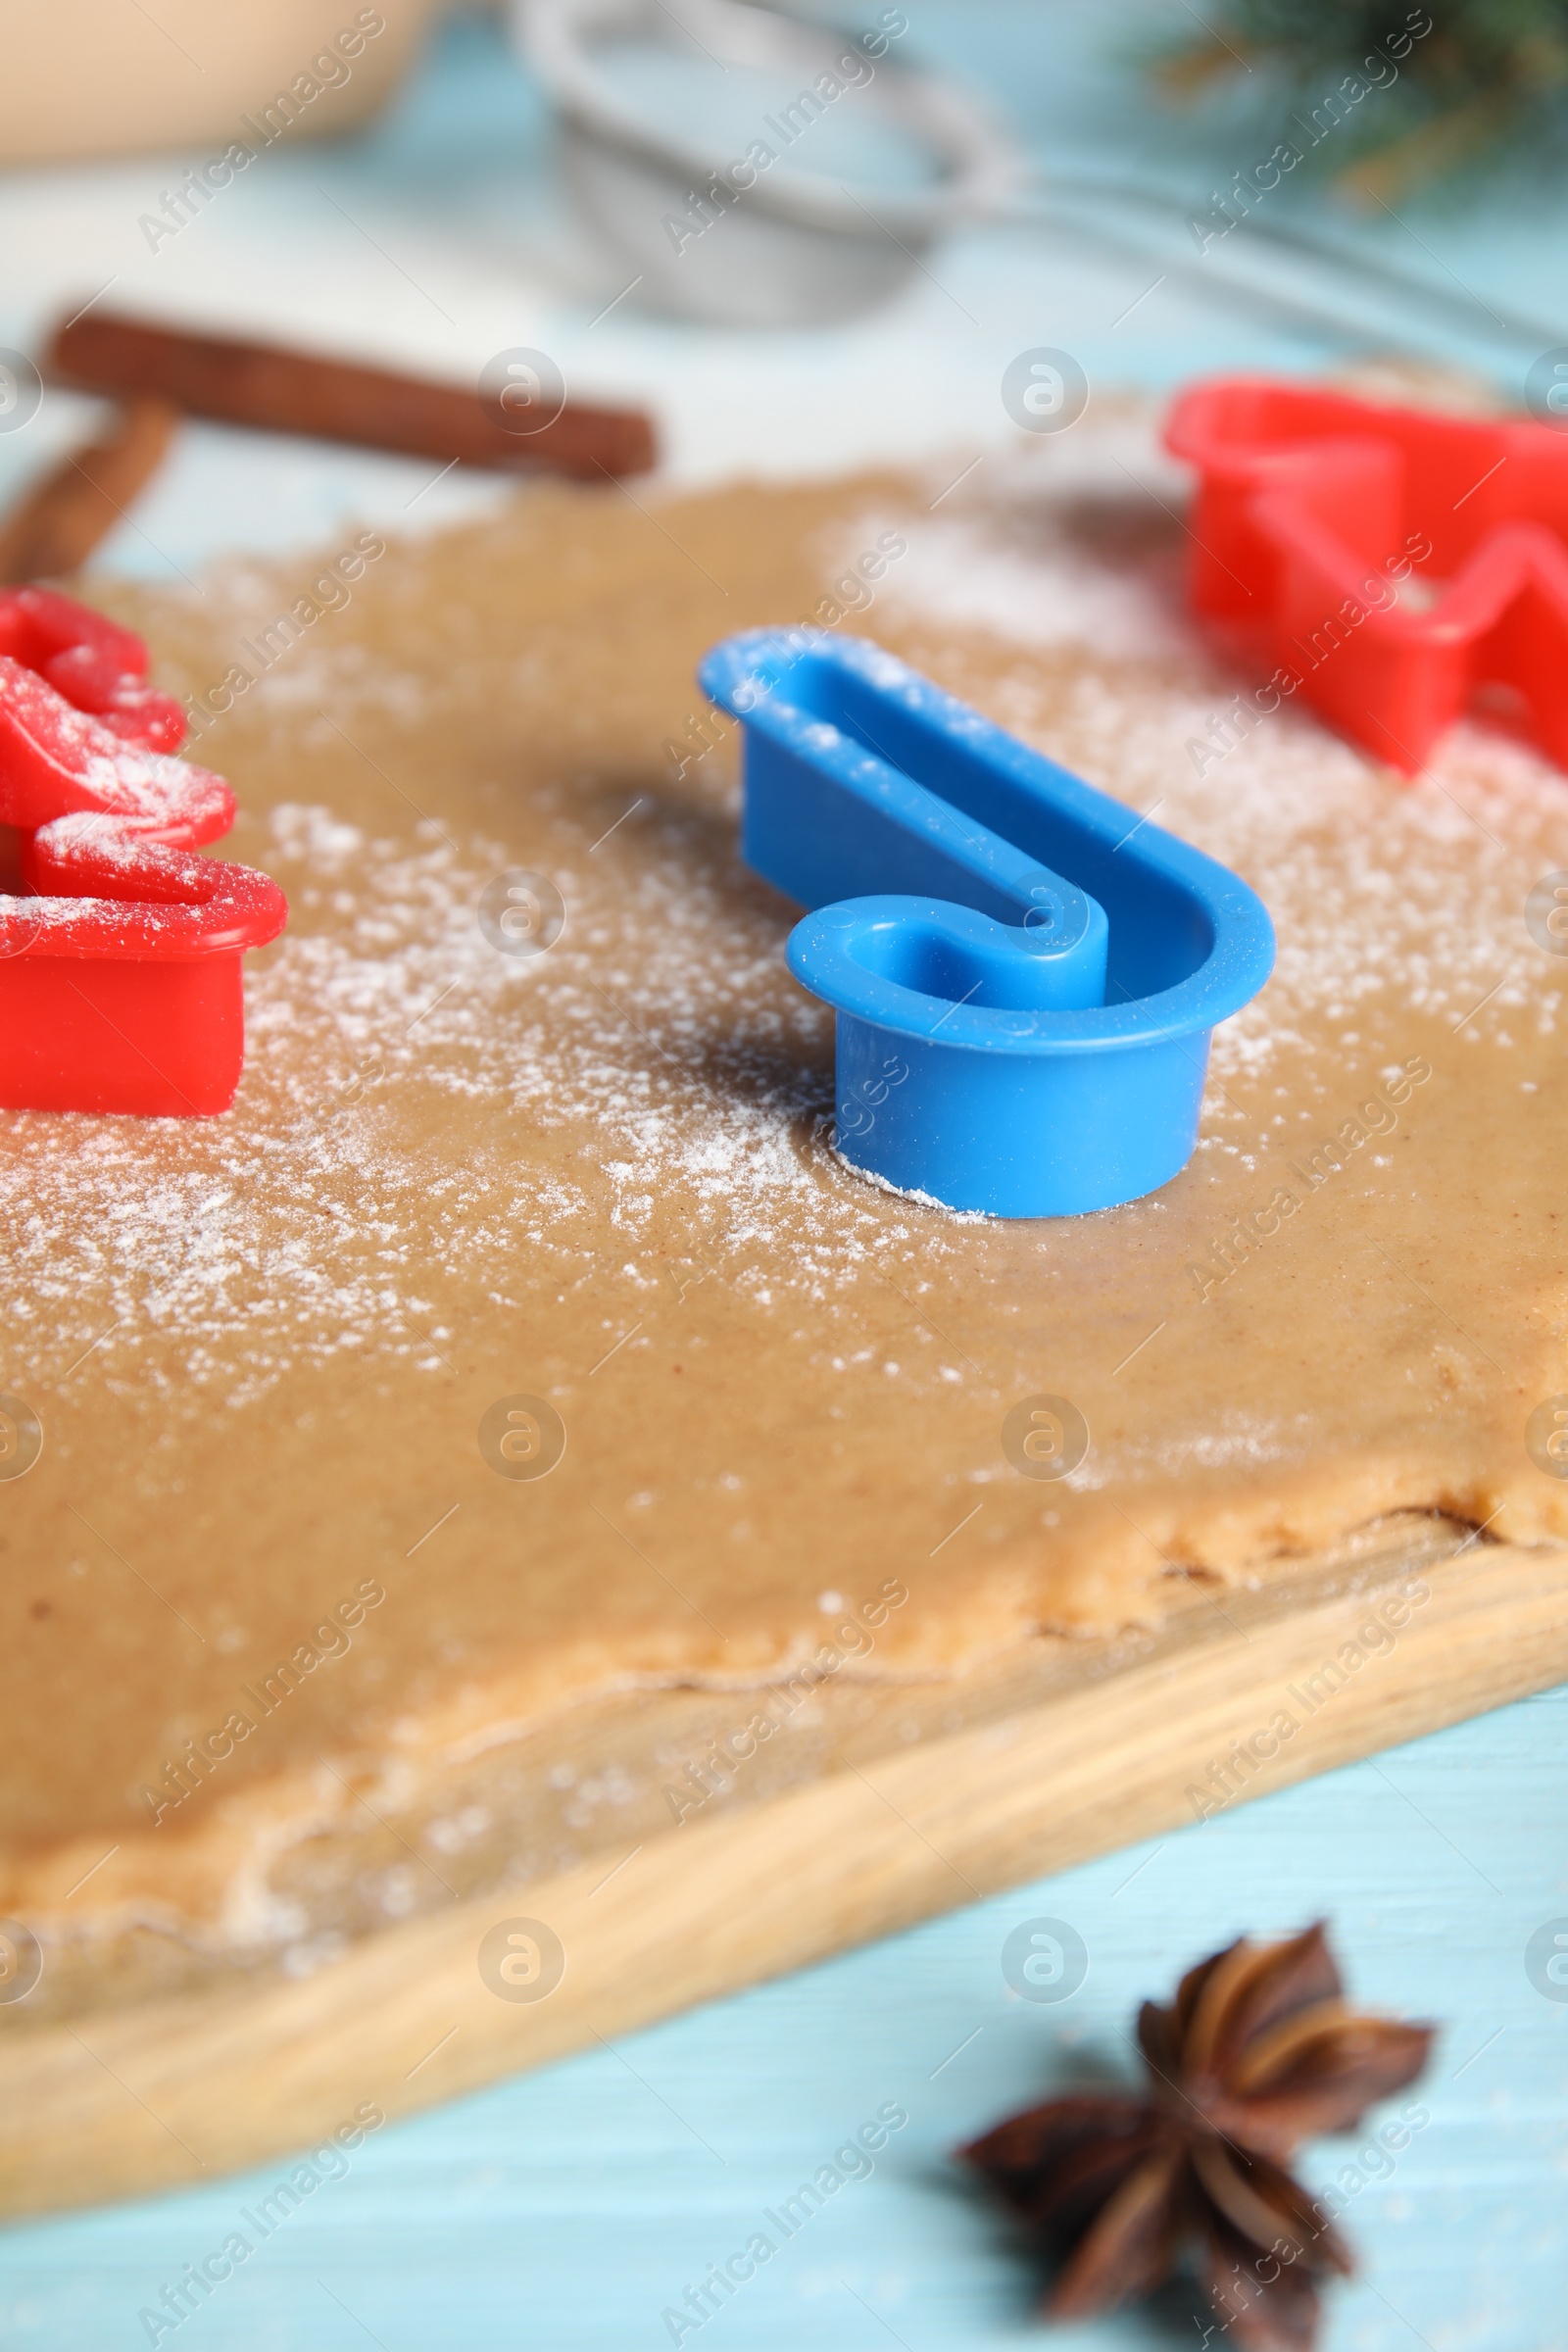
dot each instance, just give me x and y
(1410, 97)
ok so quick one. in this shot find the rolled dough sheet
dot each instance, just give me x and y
(261, 1347)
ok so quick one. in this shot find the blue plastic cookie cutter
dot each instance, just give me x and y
(1024, 1027)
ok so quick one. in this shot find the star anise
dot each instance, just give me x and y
(1257, 2053)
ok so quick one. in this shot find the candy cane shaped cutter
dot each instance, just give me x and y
(1025, 973)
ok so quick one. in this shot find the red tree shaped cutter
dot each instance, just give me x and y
(1399, 564)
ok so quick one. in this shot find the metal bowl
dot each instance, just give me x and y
(736, 230)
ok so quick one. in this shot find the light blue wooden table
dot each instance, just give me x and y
(570, 2210)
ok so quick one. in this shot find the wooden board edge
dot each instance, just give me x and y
(180, 2092)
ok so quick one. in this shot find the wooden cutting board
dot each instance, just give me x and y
(1416, 1624)
(528, 679)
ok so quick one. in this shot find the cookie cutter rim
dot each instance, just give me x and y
(1241, 937)
(1068, 1107)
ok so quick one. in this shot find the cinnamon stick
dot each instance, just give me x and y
(287, 391)
(53, 527)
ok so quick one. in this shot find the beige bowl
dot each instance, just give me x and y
(98, 78)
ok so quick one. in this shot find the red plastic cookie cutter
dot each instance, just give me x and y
(121, 983)
(1399, 564)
